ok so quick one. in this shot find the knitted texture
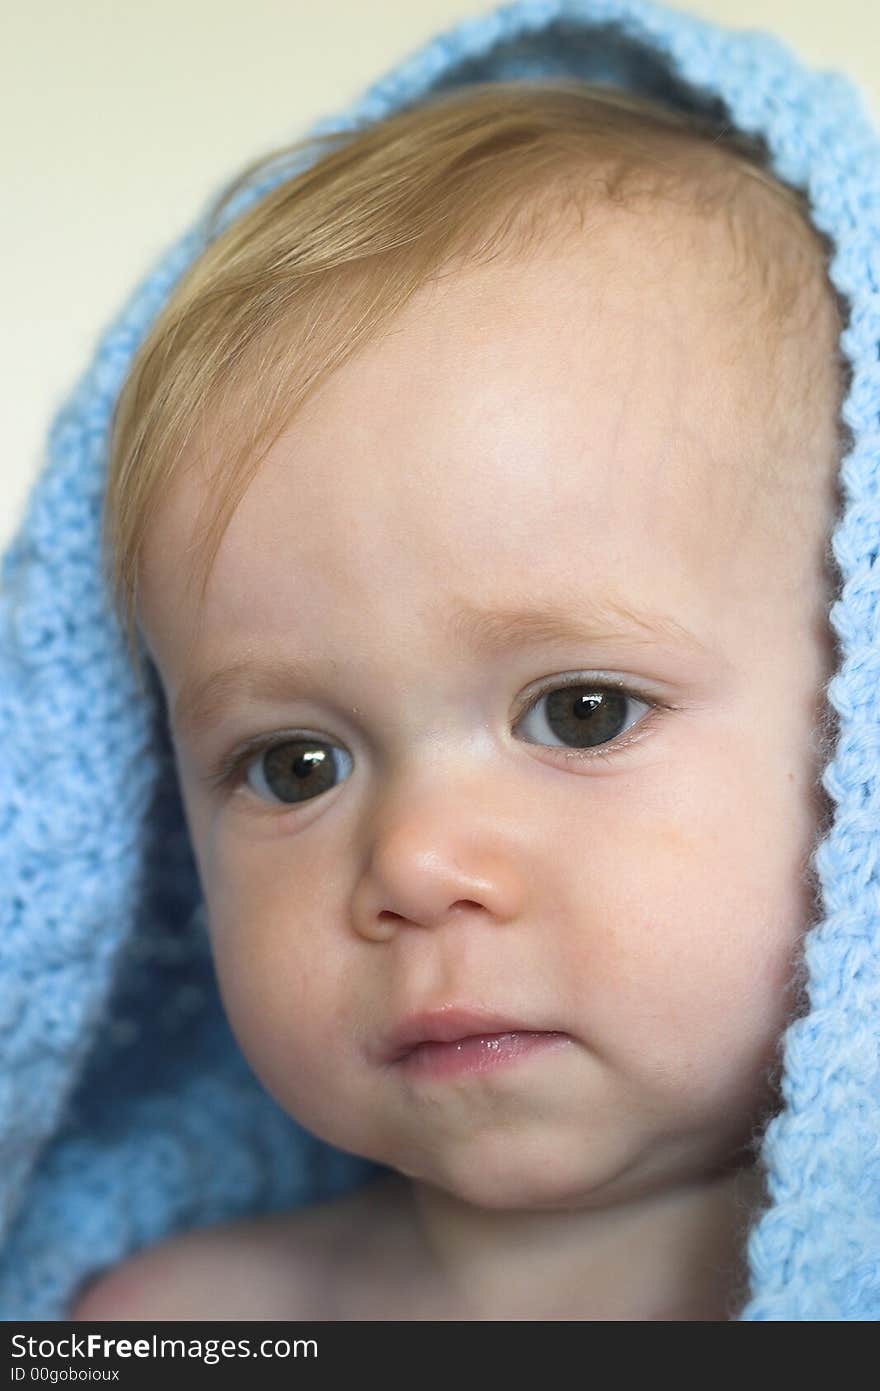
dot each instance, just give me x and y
(127, 1111)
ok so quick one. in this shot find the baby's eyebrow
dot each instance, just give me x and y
(486, 631)
(482, 631)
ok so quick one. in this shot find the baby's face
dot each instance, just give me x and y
(601, 832)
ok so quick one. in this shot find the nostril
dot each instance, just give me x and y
(387, 921)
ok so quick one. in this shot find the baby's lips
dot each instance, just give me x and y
(449, 1024)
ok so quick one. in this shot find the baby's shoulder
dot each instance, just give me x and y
(346, 1257)
(272, 1267)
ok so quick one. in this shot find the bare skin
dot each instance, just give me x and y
(365, 1256)
(607, 428)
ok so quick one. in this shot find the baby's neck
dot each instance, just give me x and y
(677, 1255)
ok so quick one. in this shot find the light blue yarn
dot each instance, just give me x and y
(127, 1111)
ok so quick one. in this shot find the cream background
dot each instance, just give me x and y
(120, 119)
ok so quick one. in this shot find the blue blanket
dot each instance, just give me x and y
(127, 1111)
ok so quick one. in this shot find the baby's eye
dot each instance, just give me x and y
(584, 714)
(295, 768)
(290, 770)
(299, 768)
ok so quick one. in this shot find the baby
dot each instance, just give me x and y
(498, 716)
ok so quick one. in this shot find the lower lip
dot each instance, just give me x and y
(479, 1053)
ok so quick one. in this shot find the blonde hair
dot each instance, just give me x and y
(295, 286)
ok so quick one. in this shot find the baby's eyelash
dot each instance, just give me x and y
(232, 768)
(612, 748)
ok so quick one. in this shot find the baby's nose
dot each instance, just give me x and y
(416, 879)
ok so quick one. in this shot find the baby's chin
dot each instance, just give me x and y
(505, 1172)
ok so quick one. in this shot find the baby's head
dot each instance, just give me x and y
(516, 422)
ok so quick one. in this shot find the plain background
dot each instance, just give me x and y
(122, 118)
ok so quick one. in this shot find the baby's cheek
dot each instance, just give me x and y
(693, 958)
(278, 1002)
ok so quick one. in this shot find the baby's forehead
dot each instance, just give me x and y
(751, 274)
(743, 294)
(753, 277)
(770, 383)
